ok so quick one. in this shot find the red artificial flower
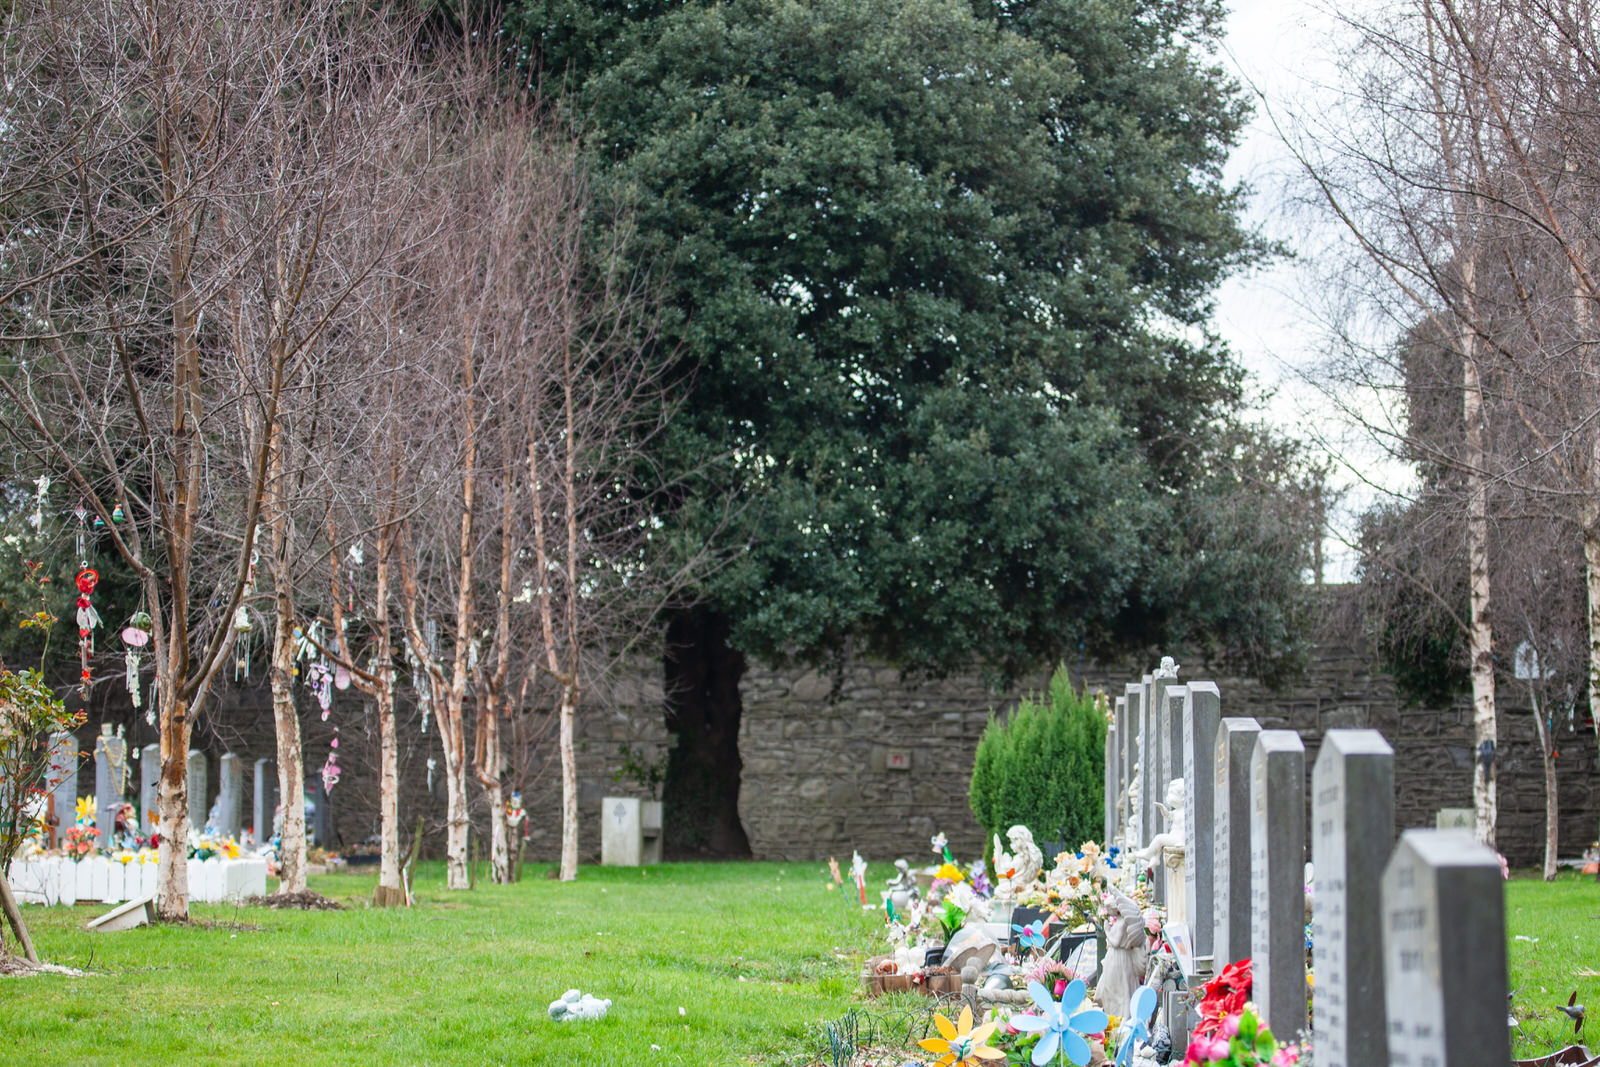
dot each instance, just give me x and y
(1224, 995)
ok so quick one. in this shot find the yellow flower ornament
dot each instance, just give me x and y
(85, 811)
(959, 1044)
(950, 873)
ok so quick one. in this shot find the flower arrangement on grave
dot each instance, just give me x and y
(959, 1044)
(1240, 1041)
(80, 842)
(1225, 996)
(1049, 972)
(1071, 888)
(205, 845)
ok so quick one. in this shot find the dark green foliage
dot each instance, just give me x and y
(1044, 767)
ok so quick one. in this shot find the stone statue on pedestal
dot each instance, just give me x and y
(1020, 868)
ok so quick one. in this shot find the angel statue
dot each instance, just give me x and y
(1019, 868)
(1171, 841)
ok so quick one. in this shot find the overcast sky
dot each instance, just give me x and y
(1283, 49)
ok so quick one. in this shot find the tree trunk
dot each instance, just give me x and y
(8, 904)
(291, 758)
(1591, 559)
(1552, 804)
(1480, 636)
(569, 786)
(701, 795)
(457, 819)
(391, 890)
(172, 863)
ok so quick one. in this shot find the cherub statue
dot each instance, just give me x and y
(1164, 844)
(1168, 668)
(1125, 954)
(1022, 865)
(903, 889)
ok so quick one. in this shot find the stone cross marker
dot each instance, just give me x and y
(197, 789)
(1445, 952)
(1202, 710)
(1352, 825)
(149, 789)
(230, 796)
(1277, 880)
(1230, 853)
(62, 781)
(110, 776)
(266, 805)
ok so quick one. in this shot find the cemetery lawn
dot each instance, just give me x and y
(1553, 948)
(755, 954)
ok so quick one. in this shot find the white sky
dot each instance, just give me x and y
(1283, 49)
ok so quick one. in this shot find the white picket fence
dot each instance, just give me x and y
(59, 880)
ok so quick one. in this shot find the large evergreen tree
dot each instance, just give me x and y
(935, 282)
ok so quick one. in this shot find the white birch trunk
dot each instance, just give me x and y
(569, 786)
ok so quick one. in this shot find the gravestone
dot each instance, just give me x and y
(1277, 880)
(1176, 695)
(1138, 748)
(1119, 712)
(1455, 819)
(197, 789)
(1202, 710)
(1109, 831)
(1165, 771)
(1230, 853)
(110, 779)
(149, 789)
(266, 805)
(1352, 824)
(1150, 786)
(1445, 952)
(621, 832)
(63, 781)
(230, 796)
(321, 815)
(1127, 736)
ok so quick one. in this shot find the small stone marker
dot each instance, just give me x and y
(1352, 824)
(197, 789)
(126, 916)
(1455, 819)
(621, 832)
(110, 776)
(1445, 952)
(1202, 710)
(230, 796)
(266, 800)
(149, 789)
(62, 781)
(1277, 880)
(1236, 742)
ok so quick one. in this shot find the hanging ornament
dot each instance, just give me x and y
(431, 764)
(515, 812)
(135, 635)
(320, 678)
(36, 520)
(330, 774)
(341, 678)
(88, 619)
(81, 513)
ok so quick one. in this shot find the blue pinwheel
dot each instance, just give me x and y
(1060, 1030)
(1137, 1028)
(1029, 936)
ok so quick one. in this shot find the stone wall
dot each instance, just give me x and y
(862, 757)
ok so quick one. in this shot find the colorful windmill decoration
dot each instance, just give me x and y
(1062, 1028)
(959, 1045)
(88, 618)
(1137, 1030)
(136, 635)
(1030, 936)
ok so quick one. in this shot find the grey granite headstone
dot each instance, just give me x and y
(110, 778)
(1176, 696)
(1277, 880)
(1136, 746)
(197, 789)
(1230, 853)
(1109, 800)
(1445, 952)
(1163, 721)
(149, 789)
(1150, 787)
(63, 781)
(266, 805)
(1202, 710)
(230, 796)
(1352, 824)
(1127, 735)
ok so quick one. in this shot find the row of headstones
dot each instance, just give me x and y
(1408, 939)
(226, 815)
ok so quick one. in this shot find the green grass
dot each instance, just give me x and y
(1564, 916)
(756, 954)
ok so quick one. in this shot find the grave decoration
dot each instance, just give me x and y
(959, 1044)
(1241, 1041)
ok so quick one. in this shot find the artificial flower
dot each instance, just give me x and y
(85, 808)
(1064, 1029)
(950, 873)
(959, 1044)
(1029, 936)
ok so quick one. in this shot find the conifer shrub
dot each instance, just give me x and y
(1044, 767)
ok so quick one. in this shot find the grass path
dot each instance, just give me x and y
(756, 955)
(748, 951)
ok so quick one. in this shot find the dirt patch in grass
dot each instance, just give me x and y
(305, 900)
(17, 967)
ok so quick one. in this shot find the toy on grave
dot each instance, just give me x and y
(125, 827)
(580, 1007)
(903, 891)
(1125, 954)
(1168, 846)
(1019, 868)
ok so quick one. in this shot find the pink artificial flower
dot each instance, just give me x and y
(1152, 921)
(1061, 983)
(1287, 1056)
(1505, 868)
(1230, 1025)
(1206, 1050)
